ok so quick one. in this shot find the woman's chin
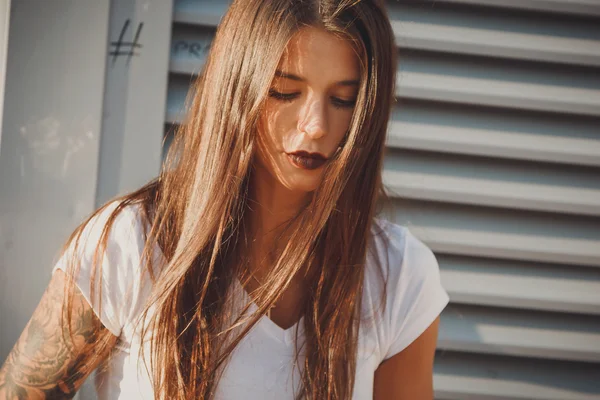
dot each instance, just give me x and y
(300, 184)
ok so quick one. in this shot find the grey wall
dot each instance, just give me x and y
(4, 23)
(50, 143)
(135, 96)
(81, 125)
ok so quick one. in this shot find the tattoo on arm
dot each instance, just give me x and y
(46, 363)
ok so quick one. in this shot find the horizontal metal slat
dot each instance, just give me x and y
(487, 42)
(520, 333)
(199, 12)
(493, 143)
(505, 234)
(513, 246)
(520, 285)
(489, 377)
(493, 193)
(176, 94)
(186, 66)
(576, 7)
(202, 19)
(492, 93)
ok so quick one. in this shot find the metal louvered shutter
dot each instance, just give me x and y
(493, 161)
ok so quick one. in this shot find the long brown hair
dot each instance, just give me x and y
(197, 208)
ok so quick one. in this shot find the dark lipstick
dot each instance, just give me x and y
(305, 160)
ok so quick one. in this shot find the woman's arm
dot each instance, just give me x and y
(45, 363)
(408, 375)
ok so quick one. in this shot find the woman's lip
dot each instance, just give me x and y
(306, 154)
(307, 163)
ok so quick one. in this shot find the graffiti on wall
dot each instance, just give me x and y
(126, 48)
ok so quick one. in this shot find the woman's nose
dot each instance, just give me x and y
(313, 120)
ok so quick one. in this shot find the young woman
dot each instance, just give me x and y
(253, 267)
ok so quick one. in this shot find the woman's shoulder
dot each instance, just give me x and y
(125, 219)
(107, 256)
(117, 225)
(411, 285)
(397, 249)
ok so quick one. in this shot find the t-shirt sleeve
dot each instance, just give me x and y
(115, 286)
(416, 296)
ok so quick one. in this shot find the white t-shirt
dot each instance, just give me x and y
(261, 366)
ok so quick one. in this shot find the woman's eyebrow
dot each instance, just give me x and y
(287, 75)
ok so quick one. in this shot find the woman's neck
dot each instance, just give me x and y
(271, 206)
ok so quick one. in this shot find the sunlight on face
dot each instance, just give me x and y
(309, 108)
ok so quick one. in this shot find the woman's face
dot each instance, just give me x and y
(308, 110)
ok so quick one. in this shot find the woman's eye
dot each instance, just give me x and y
(339, 103)
(283, 96)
